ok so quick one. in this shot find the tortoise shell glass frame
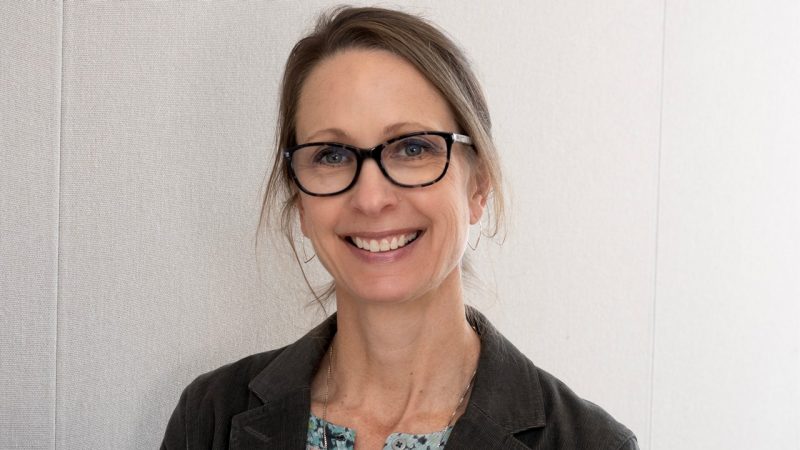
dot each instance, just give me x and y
(375, 153)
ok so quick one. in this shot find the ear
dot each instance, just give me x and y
(479, 191)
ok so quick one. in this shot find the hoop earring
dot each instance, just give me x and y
(478, 241)
(306, 258)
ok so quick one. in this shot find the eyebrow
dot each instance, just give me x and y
(388, 131)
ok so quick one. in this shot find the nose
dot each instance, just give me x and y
(373, 193)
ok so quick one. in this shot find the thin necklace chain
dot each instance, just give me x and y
(327, 390)
(325, 405)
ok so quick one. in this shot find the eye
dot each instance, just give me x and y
(331, 156)
(413, 148)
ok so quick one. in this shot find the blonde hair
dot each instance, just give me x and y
(420, 43)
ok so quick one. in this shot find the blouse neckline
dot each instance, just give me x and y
(343, 438)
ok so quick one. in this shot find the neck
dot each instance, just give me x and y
(418, 354)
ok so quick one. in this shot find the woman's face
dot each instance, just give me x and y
(363, 98)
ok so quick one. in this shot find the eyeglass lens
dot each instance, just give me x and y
(410, 161)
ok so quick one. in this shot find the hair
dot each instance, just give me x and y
(418, 42)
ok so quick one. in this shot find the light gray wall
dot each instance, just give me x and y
(650, 149)
(30, 115)
(727, 307)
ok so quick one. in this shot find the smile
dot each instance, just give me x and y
(385, 244)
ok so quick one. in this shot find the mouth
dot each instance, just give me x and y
(383, 244)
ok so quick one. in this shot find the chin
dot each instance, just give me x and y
(385, 293)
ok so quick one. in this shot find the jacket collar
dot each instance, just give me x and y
(506, 398)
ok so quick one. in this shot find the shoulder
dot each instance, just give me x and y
(206, 405)
(229, 381)
(576, 422)
(536, 407)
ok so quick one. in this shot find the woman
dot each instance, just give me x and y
(386, 160)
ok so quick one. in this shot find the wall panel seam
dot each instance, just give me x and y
(657, 222)
(58, 219)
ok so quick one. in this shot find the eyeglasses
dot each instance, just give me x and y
(411, 160)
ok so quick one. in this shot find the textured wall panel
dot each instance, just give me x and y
(30, 74)
(168, 113)
(727, 343)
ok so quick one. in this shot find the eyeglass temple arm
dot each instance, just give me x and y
(462, 139)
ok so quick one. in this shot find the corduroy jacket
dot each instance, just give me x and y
(263, 402)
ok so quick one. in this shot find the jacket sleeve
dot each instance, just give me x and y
(630, 444)
(176, 437)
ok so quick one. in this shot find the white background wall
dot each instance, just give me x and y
(651, 151)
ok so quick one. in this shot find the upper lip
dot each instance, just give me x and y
(381, 234)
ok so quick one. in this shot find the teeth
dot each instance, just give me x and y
(384, 245)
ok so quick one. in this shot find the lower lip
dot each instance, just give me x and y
(383, 257)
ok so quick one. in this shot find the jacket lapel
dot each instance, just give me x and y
(281, 424)
(476, 430)
(283, 391)
(506, 398)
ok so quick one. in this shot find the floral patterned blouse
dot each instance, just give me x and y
(343, 438)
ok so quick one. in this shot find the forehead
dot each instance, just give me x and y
(365, 93)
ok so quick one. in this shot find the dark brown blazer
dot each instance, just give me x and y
(263, 402)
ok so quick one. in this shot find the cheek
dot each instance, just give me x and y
(449, 240)
(452, 212)
(315, 215)
(460, 184)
